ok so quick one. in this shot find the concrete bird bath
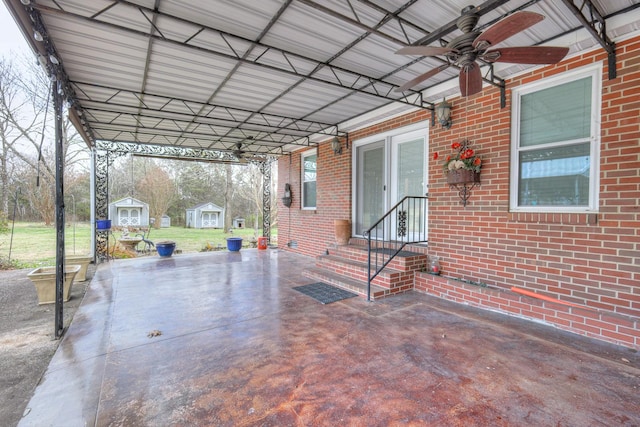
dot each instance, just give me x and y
(130, 243)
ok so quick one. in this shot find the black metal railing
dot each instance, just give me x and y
(403, 224)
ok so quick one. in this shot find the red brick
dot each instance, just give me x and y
(588, 257)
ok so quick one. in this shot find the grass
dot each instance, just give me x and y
(34, 244)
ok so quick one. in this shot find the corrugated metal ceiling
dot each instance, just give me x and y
(271, 75)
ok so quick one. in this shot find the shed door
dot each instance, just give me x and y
(209, 219)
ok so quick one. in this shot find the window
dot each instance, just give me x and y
(556, 138)
(309, 164)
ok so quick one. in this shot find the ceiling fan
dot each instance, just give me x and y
(464, 50)
(241, 154)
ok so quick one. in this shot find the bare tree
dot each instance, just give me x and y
(13, 124)
(25, 117)
(158, 190)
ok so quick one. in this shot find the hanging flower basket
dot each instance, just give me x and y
(462, 176)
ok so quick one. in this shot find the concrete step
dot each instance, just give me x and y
(388, 278)
(405, 261)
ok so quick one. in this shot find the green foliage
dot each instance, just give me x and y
(5, 264)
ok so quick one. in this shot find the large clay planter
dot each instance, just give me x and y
(44, 279)
(81, 260)
(343, 231)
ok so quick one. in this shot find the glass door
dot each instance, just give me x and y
(408, 178)
(387, 169)
(370, 185)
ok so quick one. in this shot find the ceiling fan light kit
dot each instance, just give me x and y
(472, 45)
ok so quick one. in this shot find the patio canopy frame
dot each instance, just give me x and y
(269, 77)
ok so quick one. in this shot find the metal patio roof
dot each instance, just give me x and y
(273, 75)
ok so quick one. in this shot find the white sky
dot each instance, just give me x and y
(11, 40)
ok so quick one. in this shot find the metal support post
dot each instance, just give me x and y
(265, 168)
(101, 194)
(59, 153)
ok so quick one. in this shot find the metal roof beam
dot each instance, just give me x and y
(591, 18)
(153, 150)
(264, 31)
(280, 122)
(374, 87)
(261, 143)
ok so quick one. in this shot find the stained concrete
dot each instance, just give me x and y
(222, 339)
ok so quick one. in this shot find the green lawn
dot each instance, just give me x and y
(34, 244)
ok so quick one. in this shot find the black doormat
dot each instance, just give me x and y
(324, 293)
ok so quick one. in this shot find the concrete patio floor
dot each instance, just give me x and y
(237, 346)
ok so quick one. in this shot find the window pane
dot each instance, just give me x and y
(559, 113)
(309, 180)
(309, 195)
(410, 168)
(555, 176)
(371, 179)
(310, 168)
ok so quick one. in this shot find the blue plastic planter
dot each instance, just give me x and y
(103, 224)
(234, 243)
(165, 249)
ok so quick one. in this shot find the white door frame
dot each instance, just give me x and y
(391, 139)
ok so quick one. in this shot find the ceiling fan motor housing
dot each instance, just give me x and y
(467, 21)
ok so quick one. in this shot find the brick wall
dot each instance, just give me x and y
(313, 230)
(590, 260)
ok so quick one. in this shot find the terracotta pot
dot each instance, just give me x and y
(462, 176)
(343, 231)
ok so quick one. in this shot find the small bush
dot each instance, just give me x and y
(5, 264)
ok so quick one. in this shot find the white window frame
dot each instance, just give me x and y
(303, 156)
(593, 71)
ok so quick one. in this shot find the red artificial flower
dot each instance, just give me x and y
(435, 156)
(468, 153)
(448, 158)
(455, 145)
(477, 161)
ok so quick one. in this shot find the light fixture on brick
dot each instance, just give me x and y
(443, 113)
(335, 145)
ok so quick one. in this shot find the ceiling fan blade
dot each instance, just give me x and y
(424, 50)
(527, 54)
(421, 78)
(470, 80)
(506, 28)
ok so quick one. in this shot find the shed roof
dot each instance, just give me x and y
(207, 206)
(129, 202)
